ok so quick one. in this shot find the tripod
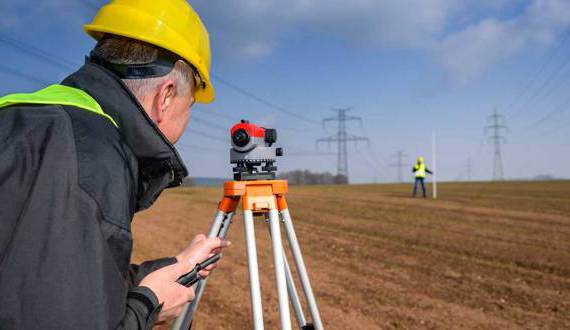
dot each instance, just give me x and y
(266, 198)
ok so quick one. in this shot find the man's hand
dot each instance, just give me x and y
(163, 283)
(200, 249)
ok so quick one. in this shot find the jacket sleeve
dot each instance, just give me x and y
(56, 267)
(142, 309)
(138, 272)
(428, 171)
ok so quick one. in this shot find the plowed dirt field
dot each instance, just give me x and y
(484, 255)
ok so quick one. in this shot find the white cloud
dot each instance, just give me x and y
(465, 38)
(236, 25)
(256, 49)
(467, 53)
(405, 23)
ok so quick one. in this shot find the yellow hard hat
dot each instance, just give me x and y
(169, 24)
(420, 159)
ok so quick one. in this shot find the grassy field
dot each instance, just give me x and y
(484, 255)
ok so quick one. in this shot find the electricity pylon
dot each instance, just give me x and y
(341, 138)
(496, 126)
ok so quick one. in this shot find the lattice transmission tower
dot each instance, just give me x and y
(496, 129)
(341, 138)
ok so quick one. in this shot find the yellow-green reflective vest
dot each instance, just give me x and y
(58, 94)
(420, 170)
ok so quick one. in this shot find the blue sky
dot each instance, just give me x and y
(408, 68)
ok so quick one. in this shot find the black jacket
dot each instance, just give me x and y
(70, 183)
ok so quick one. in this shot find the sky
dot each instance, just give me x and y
(408, 68)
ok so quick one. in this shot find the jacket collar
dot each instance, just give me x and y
(159, 162)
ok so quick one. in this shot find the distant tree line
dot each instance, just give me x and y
(305, 177)
(188, 181)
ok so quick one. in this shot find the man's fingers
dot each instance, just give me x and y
(190, 294)
(199, 237)
(178, 269)
(216, 242)
(212, 266)
(177, 311)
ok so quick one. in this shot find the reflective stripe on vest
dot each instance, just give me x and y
(58, 94)
(420, 170)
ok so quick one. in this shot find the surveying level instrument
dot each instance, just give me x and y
(254, 154)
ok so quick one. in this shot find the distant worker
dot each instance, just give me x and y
(420, 170)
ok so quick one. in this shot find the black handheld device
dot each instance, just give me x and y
(192, 277)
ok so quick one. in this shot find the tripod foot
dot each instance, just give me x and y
(308, 326)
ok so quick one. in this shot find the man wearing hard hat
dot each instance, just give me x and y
(80, 158)
(420, 169)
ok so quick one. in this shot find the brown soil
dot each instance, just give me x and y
(484, 255)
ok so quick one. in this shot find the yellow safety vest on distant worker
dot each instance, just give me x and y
(420, 170)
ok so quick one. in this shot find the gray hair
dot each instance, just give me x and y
(121, 50)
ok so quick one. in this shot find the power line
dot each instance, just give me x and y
(209, 124)
(556, 129)
(547, 60)
(213, 112)
(28, 77)
(263, 101)
(540, 89)
(63, 63)
(207, 135)
(497, 127)
(37, 53)
(561, 108)
(341, 138)
(90, 4)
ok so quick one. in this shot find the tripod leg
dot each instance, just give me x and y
(278, 259)
(219, 228)
(293, 295)
(300, 263)
(253, 270)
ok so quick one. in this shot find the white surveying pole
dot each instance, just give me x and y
(434, 169)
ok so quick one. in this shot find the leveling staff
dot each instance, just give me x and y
(79, 159)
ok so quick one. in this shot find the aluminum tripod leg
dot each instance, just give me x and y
(293, 295)
(280, 280)
(219, 228)
(202, 284)
(301, 269)
(252, 264)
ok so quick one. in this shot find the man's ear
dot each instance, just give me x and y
(164, 98)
